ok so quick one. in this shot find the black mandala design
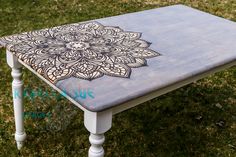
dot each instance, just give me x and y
(84, 50)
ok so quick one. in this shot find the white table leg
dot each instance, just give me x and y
(97, 123)
(17, 90)
(96, 149)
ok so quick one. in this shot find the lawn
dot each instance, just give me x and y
(198, 120)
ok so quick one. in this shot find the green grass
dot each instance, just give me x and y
(183, 123)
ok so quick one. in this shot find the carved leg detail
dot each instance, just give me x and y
(96, 149)
(97, 123)
(17, 91)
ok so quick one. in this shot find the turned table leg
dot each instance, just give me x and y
(17, 90)
(96, 141)
(97, 123)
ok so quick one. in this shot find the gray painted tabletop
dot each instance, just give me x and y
(189, 42)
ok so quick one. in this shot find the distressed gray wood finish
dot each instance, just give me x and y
(190, 42)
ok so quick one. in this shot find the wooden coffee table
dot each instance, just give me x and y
(126, 60)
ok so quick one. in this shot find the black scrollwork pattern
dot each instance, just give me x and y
(84, 50)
